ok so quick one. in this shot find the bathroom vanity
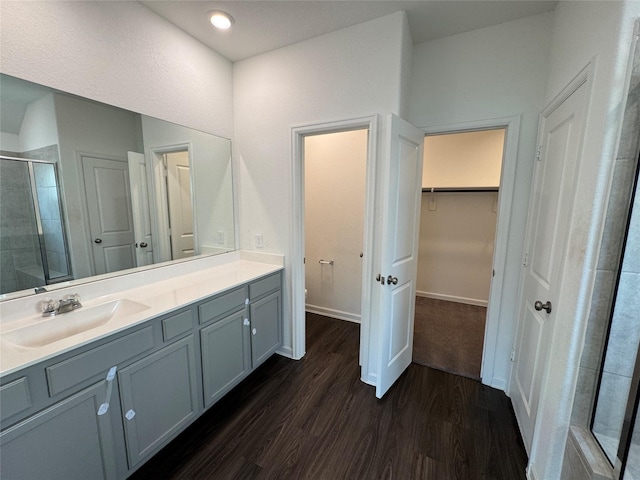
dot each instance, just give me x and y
(100, 407)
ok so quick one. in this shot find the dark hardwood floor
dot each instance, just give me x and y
(315, 419)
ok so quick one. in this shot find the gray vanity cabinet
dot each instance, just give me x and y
(154, 377)
(65, 441)
(242, 329)
(265, 312)
(159, 397)
(225, 355)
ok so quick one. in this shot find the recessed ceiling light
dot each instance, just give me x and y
(221, 20)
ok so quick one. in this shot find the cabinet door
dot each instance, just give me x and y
(66, 441)
(158, 395)
(225, 355)
(266, 318)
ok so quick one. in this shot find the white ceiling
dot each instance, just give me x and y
(264, 25)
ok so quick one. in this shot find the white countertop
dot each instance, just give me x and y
(162, 296)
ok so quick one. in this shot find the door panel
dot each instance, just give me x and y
(400, 199)
(140, 208)
(180, 204)
(110, 218)
(561, 131)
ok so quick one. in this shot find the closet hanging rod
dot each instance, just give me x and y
(460, 190)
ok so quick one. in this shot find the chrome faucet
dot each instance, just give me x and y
(68, 303)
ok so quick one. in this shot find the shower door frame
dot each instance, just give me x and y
(40, 231)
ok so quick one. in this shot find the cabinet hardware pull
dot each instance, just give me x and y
(254, 331)
(130, 414)
(105, 405)
(246, 322)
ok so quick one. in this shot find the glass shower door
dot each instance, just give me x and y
(33, 244)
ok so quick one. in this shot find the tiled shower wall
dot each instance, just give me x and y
(617, 372)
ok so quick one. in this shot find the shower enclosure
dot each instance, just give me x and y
(33, 244)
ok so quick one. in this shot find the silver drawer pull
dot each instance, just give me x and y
(130, 414)
(254, 331)
(326, 262)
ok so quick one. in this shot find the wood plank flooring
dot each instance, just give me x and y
(315, 419)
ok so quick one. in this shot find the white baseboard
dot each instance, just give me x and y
(452, 298)
(497, 383)
(329, 312)
(286, 352)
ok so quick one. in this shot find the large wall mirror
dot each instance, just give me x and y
(89, 189)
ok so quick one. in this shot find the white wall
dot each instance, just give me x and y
(119, 53)
(600, 32)
(38, 127)
(467, 159)
(457, 234)
(335, 181)
(346, 74)
(492, 72)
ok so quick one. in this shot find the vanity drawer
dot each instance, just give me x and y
(176, 325)
(266, 285)
(75, 370)
(15, 397)
(224, 304)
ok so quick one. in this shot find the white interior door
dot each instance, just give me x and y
(140, 208)
(180, 205)
(560, 137)
(398, 231)
(110, 217)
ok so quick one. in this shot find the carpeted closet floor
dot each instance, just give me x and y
(449, 336)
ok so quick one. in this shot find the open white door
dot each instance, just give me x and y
(560, 139)
(180, 205)
(397, 230)
(140, 208)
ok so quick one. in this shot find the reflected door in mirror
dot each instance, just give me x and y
(110, 218)
(180, 205)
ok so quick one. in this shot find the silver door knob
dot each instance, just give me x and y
(542, 306)
(98, 240)
(393, 280)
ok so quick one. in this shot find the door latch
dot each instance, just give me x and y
(380, 278)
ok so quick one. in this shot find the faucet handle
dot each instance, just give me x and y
(73, 297)
(48, 307)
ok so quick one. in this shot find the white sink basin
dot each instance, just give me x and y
(77, 321)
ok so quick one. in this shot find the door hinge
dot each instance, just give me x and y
(512, 357)
(525, 260)
(538, 152)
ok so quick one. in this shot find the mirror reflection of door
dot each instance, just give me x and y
(110, 218)
(180, 204)
(142, 223)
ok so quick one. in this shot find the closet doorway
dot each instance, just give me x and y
(335, 167)
(461, 184)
